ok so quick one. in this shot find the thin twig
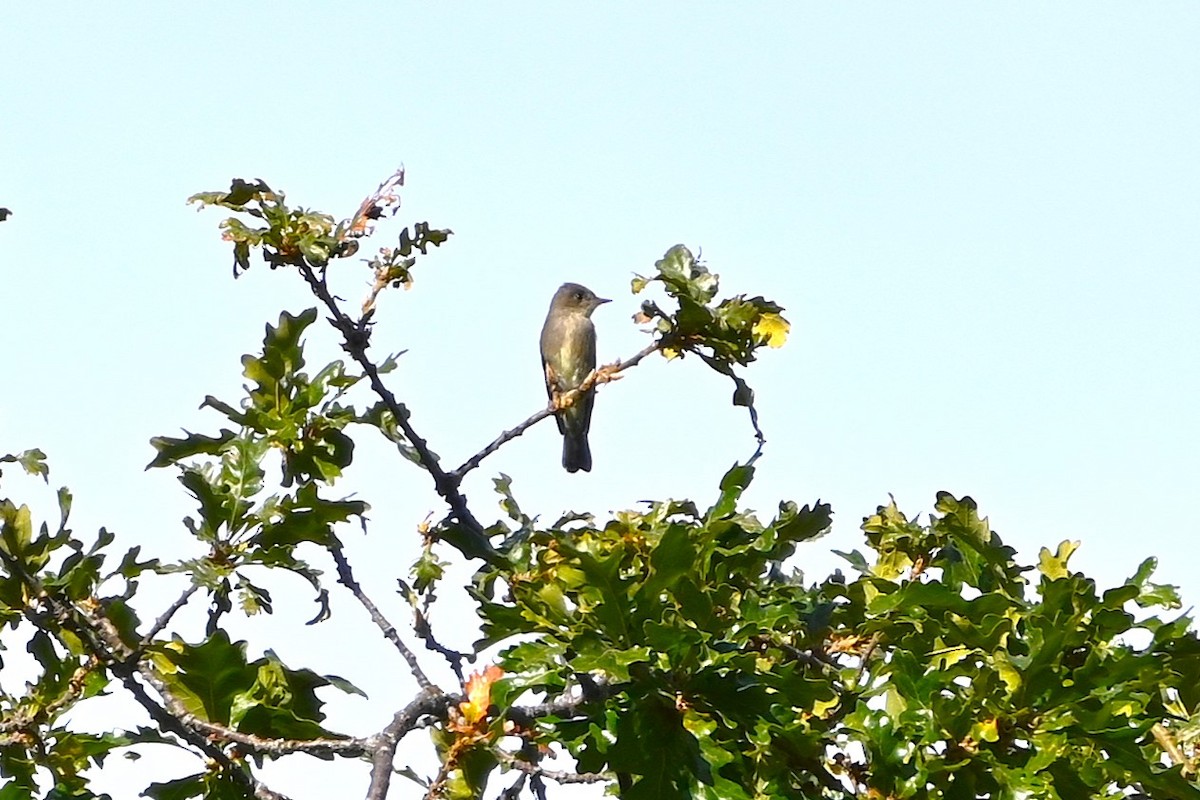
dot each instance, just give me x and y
(346, 578)
(454, 658)
(435, 788)
(868, 651)
(165, 617)
(809, 658)
(558, 776)
(565, 706)
(514, 792)
(603, 374)
(30, 710)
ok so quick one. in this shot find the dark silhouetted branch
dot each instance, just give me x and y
(165, 618)
(356, 337)
(346, 577)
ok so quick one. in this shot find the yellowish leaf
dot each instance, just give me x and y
(772, 329)
(479, 694)
(947, 656)
(985, 731)
(822, 709)
(1054, 565)
(1007, 671)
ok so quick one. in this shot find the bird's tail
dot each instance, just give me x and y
(576, 453)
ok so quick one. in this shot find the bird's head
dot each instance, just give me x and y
(575, 298)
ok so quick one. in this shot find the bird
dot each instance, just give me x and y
(568, 346)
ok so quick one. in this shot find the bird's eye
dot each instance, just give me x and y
(579, 296)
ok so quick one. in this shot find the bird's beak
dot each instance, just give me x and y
(602, 300)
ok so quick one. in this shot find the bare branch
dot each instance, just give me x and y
(356, 338)
(867, 652)
(604, 374)
(165, 618)
(558, 776)
(383, 745)
(454, 658)
(177, 718)
(349, 747)
(566, 706)
(346, 578)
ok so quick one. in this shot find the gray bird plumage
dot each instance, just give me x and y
(568, 354)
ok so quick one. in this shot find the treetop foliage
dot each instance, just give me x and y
(672, 650)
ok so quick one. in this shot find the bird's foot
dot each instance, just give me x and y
(607, 373)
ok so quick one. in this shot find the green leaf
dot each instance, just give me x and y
(665, 769)
(32, 461)
(735, 481)
(178, 789)
(16, 528)
(427, 570)
(130, 567)
(282, 357)
(503, 486)
(17, 791)
(804, 524)
(242, 192)
(470, 779)
(856, 559)
(465, 540)
(684, 276)
(307, 517)
(1150, 594)
(671, 559)
(280, 703)
(208, 677)
(345, 685)
(172, 451)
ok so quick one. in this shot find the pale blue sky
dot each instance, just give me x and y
(981, 219)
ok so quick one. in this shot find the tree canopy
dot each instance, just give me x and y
(671, 650)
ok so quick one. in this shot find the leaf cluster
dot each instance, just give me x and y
(288, 236)
(724, 334)
(285, 411)
(34, 730)
(939, 671)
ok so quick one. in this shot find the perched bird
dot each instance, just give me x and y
(568, 355)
